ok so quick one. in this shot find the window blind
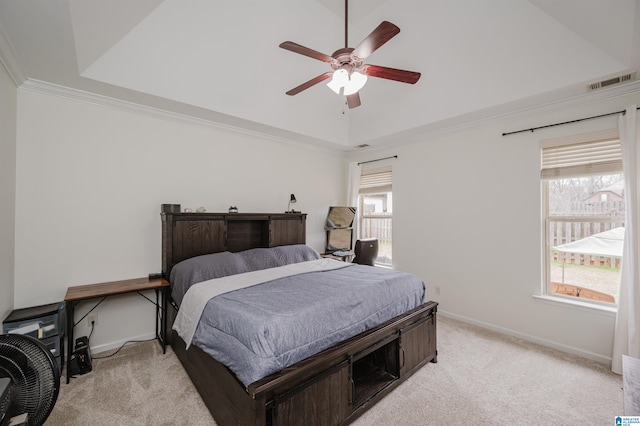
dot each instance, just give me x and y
(580, 159)
(379, 181)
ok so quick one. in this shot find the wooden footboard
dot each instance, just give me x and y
(333, 387)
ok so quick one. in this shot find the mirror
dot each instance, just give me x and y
(340, 217)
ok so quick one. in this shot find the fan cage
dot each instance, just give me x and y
(34, 375)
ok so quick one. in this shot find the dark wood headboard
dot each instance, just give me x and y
(185, 235)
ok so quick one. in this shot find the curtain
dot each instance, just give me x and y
(355, 170)
(626, 339)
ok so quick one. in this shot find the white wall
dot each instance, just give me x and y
(8, 111)
(90, 181)
(467, 219)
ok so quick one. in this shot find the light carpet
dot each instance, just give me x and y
(481, 378)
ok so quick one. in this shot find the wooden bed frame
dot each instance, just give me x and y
(333, 387)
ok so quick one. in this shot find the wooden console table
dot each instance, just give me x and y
(103, 290)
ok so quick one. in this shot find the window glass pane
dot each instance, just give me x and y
(375, 222)
(377, 204)
(585, 227)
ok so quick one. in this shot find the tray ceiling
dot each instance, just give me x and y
(218, 60)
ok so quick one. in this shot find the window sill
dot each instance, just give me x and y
(577, 304)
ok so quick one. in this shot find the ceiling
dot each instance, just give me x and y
(219, 60)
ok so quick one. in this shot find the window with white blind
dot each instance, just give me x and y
(584, 212)
(375, 210)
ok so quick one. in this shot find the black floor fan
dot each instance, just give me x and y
(34, 376)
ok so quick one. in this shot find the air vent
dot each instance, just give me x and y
(612, 81)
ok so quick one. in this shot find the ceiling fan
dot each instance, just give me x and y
(349, 73)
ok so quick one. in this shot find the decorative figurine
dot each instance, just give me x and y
(233, 209)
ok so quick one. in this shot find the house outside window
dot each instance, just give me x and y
(584, 216)
(375, 211)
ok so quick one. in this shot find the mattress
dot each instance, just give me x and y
(261, 329)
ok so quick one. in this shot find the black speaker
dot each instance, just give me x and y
(80, 362)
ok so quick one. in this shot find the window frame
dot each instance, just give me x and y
(383, 184)
(607, 168)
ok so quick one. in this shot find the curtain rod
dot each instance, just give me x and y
(379, 159)
(564, 122)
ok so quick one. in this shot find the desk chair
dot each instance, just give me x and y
(366, 251)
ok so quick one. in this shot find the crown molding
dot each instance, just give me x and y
(516, 112)
(407, 137)
(182, 118)
(10, 61)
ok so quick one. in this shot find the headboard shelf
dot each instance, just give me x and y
(186, 235)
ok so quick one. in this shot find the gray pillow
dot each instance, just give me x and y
(218, 265)
(203, 268)
(259, 258)
(264, 258)
(295, 253)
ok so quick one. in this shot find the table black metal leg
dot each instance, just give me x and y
(70, 325)
(161, 314)
(163, 325)
(157, 313)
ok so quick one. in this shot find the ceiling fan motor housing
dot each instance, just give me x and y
(344, 59)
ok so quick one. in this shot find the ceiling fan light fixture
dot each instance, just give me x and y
(339, 80)
(349, 73)
(355, 83)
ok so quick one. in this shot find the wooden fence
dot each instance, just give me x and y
(562, 231)
(597, 208)
(378, 227)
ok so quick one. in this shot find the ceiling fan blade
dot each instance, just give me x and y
(310, 83)
(296, 48)
(382, 34)
(353, 101)
(402, 76)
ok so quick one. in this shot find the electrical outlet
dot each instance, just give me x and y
(437, 290)
(92, 318)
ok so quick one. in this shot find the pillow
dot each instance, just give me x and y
(259, 258)
(202, 268)
(264, 258)
(295, 253)
(217, 265)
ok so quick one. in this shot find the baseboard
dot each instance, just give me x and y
(98, 349)
(529, 338)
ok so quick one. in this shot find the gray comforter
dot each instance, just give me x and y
(262, 329)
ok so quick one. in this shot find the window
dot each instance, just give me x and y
(375, 208)
(583, 205)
